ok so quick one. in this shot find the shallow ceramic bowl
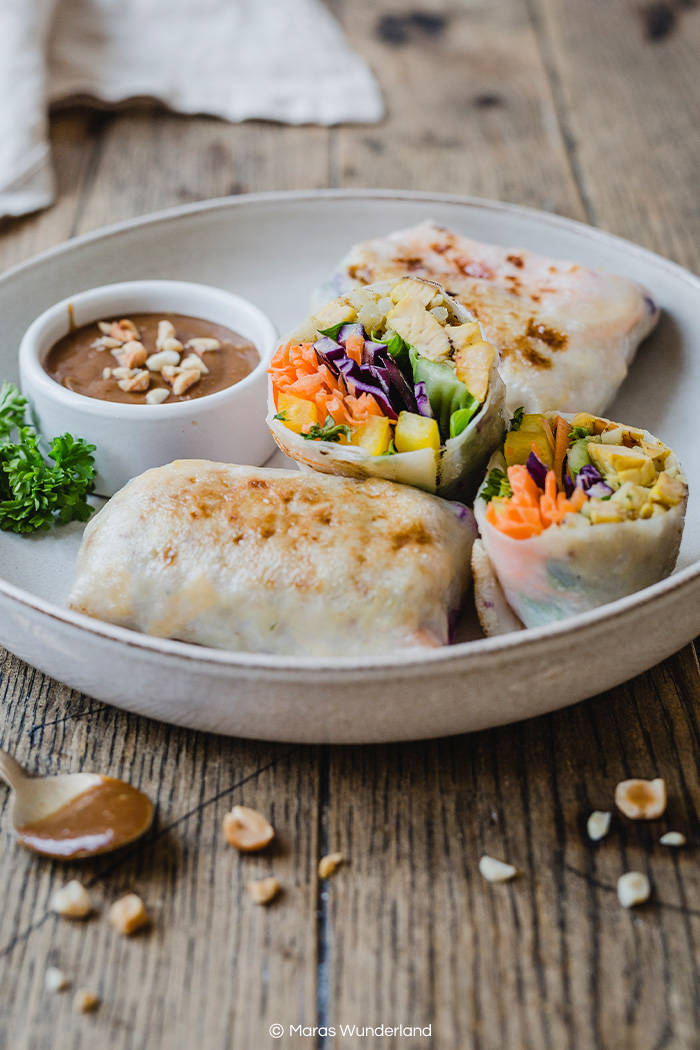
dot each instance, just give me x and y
(475, 683)
(228, 425)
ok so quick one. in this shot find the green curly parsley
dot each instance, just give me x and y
(497, 485)
(330, 431)
(35, 494)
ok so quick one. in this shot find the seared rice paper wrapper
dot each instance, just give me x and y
(274, 561)
(449, 345)
(575, 566)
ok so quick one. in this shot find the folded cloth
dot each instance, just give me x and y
(284, 60)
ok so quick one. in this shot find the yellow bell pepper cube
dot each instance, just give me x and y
(414, 432)
(298, 414)
(373, 436)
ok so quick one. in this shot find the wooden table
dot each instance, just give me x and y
(583, 107)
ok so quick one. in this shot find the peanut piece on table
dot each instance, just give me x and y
(247, 830)
(633, 888)
(329, 864)
(263, 891)
(598, 825)
(72, 901)
(85, 1001)
(55, 980)
(641, 799)
(496, 870)
(128, 914)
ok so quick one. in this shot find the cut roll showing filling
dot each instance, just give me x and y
(576, 512)
(395, 381)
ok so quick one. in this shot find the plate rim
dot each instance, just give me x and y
(400, 662)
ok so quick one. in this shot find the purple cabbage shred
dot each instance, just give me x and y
(536, 469)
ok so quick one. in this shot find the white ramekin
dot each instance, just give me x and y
(228, 426)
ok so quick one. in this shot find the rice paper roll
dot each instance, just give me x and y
(275, 561)
(393, 381)
(575, 512)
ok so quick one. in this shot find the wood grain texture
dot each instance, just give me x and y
(570, 106)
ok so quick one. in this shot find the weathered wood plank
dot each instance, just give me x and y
(470, 107)
(625, 78)
(214, 967)
(551, 959)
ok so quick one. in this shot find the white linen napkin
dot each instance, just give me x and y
(284, 60)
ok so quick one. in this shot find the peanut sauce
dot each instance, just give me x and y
(77, 364)
(107, 815)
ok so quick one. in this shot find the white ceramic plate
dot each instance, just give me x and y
(274, 249)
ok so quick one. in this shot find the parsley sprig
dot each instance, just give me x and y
(330, 431)
(35, 494)
(576, 433)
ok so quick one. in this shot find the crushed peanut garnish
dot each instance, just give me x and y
(136, 383)
(202, 344)
(263, 891)
(641, 799)
(633, 888)
(131, 354)
(72, 901)
(185, 380)
(247, 830)
(180, 365)
(328, 865)
(166, 330)
(128, 914)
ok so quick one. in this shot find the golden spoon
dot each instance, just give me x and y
(74, 814)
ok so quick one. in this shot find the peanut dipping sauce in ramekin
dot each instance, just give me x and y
(79, 360)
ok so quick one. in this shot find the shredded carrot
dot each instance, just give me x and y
(561, 446)
(296, 369)
(529, 511)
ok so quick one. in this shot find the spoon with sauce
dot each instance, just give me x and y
(74, 814)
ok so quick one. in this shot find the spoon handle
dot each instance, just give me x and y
(10, 770)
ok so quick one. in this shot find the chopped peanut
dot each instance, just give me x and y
(247, 830)
(157, 396)
(55, 980)
(598, 825)
(72, 901)
(201, 345)
(328, 865)
(185, 380)
(641, 799)
(673, 838)
(128, 914)
(85, 1001)
(192, 361)
(263, 891)
(131, 355)
(166, 330)
(633, 888)
(496, 870)
(124, 330)
(155, 362)
(136, 383)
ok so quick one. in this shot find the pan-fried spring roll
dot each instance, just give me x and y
(276, 561)
(576, 512)
(395, 381)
